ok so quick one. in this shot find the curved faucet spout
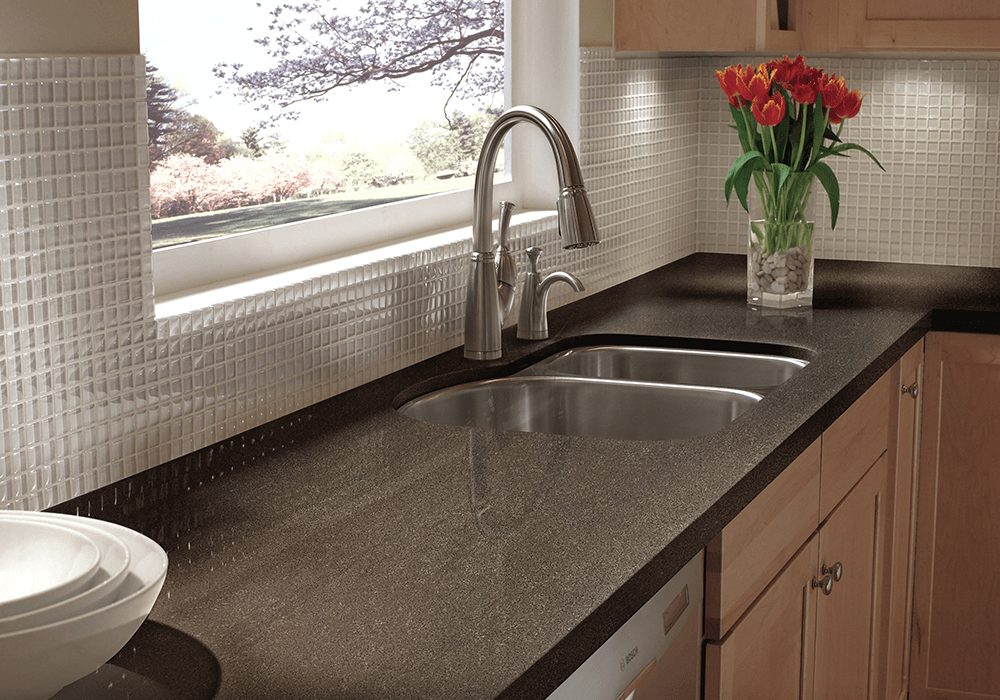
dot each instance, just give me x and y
(576, 219)
(485, 311)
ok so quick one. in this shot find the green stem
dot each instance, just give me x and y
(802, 136)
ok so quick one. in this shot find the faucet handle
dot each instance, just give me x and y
(506, 267)
(503, 223)
(534, 253)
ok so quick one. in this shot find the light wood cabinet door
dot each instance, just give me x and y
(768, 655)
(955, 641)
(902, 502)
(797, 642)
(707, 25)
(852, 543)
(908, 25)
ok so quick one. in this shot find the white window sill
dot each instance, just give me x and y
(177, 304)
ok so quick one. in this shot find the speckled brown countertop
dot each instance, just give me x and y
(351, 552)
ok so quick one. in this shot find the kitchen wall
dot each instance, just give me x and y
(94, 386)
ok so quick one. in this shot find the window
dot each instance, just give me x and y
(184, 268)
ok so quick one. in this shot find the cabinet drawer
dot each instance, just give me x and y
(853, 443)
(751, 550)
(768, 654)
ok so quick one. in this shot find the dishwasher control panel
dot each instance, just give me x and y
(656, 655)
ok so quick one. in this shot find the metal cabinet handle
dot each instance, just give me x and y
(837, 570)
(913, 389)
(826, 583)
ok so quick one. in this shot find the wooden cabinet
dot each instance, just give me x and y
(796, 641)
(744, 557)
(807, 26)
(956, 611)
(919, 25)
(853, 443)
(775, 634)
(849, 499)
(706, 25)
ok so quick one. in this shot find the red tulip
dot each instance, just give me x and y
(769, 110)
(804, 93)
(786, 70)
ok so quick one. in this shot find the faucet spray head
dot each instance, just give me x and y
(576, 218)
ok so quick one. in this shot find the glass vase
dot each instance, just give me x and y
(780, 264)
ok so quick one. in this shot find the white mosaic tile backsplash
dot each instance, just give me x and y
(94, 388)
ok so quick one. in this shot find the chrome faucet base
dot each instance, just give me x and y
(482, 330)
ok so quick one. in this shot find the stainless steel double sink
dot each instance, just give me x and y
(627, 392)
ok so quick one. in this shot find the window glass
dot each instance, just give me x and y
(263, 115)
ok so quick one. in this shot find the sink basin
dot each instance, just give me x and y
(735, 370)
(585, 407)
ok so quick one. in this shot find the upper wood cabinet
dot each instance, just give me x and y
(807, 26)
(706, 25)
(956, 609)
(919, 25)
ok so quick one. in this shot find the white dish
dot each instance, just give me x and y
(41, 563)
(36, 663)
(115, 558)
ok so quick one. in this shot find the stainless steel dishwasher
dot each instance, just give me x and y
(656, 655)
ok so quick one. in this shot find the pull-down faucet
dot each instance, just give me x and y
(490, 296)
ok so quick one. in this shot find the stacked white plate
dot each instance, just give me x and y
(73, 591)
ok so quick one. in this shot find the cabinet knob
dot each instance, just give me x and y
(826, 583)
(837, 571)
(913, 389)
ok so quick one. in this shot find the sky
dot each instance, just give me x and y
(184, 39)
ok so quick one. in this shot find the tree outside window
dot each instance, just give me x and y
(305, 63)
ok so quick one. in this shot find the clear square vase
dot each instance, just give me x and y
(780, 264)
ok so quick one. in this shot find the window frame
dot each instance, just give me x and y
(536, 34)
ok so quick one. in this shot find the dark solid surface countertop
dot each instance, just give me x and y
(349, 552)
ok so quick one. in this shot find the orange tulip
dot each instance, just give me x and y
(769, 110)
(755, 85)
(728, 80)
(849, 107)
(832, 89)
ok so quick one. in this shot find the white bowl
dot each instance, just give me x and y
(41, 563)
(115, 559)
(36, 663)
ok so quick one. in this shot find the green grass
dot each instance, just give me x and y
(196, 227)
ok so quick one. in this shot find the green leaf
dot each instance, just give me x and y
(740, 125)
(740, 173)
(783, 171)
(828, 179)
(819, 126)
(839, 150)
